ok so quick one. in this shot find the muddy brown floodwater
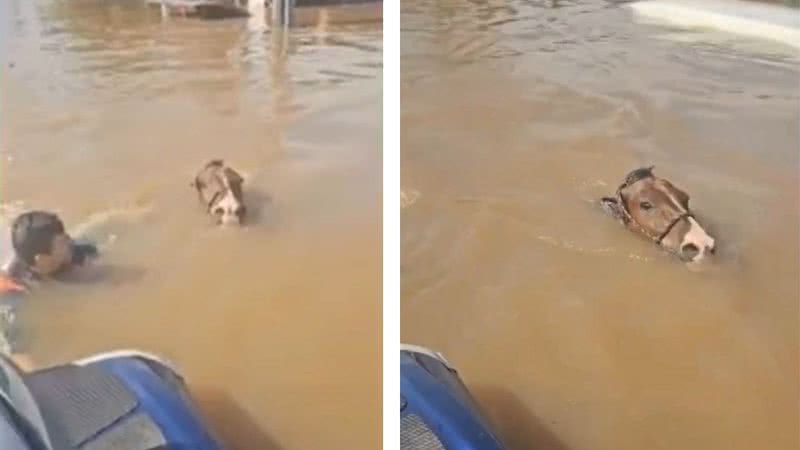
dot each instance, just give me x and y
(106, 112)
(572, 332)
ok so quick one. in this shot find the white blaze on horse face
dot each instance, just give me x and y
(698, 237)
(227, 209)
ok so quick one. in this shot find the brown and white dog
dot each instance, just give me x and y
(219, 189)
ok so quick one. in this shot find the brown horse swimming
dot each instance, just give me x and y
(654, 207)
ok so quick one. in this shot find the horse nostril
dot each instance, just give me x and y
(689, 251)
(240, 212)
(712, 250)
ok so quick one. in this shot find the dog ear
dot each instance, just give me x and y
(215, 163)
(612, 207)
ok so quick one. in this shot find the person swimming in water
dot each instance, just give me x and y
(42, 250)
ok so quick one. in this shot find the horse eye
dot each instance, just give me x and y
(646, 205)
(218, 211)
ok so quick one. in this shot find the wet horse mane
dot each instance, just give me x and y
(615, 205)
(637, 175)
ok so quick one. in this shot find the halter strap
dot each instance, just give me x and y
(215, 198)
(627, 218)
(685, 215)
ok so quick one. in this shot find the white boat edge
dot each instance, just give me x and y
(425, 351)
(126, 353)
(759, 20)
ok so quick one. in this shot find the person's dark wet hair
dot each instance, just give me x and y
(32, 234)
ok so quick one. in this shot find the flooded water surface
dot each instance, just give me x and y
(573, 332)
(107, 112)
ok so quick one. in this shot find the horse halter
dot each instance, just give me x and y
(218, 195)
(220, 189)
(628, 218)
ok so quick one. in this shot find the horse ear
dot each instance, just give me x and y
(683, 197)
(233, 176)
(677, 193)
(611, 206)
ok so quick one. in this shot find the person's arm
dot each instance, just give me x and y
(23, 361)
(10, 339)
(9, 285)
(83, 253)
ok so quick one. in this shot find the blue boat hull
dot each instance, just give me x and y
(123, 400)
(437, 411)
